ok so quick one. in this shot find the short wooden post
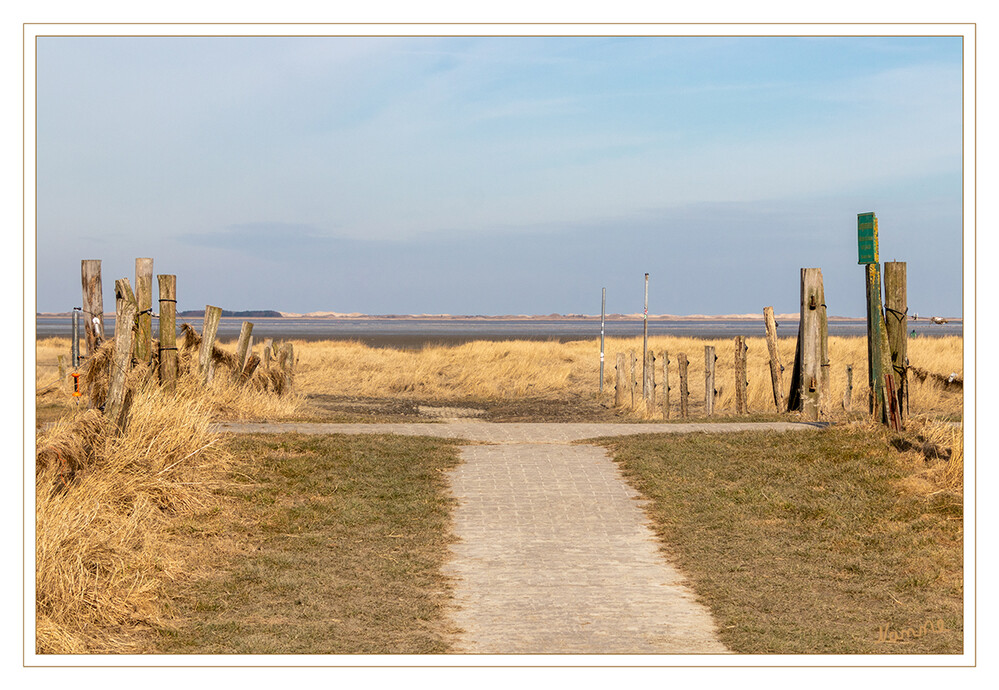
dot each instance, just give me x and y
(666, 384)
(741, 384)
(709, 379)
(209, 330)
(634, 379)
(144, 302)
(649, 381)
(896, 323)
(93, 304)
(168, 331)
(242, 346)
(268, 354)
(776, 369)
(620, 380)
(681, 360)
(115, 408)
(848, 394)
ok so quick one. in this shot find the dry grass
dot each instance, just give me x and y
(106, 502)
(517, 369)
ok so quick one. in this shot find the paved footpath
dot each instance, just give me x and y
(554, 553)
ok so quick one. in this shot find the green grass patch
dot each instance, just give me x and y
(325, 545)
(805, 543)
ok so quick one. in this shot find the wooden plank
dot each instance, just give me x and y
(896, 324)
(649, 381)
(709, 379)
(681, 360)
(666, 387)
(115, 408)
(144, 302)
(242, 347)
(209, 329)
(620, 380)
(93, 304)
(776, 368)
(741, 382)
(168, 331)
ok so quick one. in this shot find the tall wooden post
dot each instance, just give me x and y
(741, 383)
(811, 372)
(896, 322)
(93, 304)
(776, 369)
(168, 331)
(144, 302)
(603, 314)
(709, 379)
(649, 381)
(116, 408)
(620, 380)
(242, 347)
(681, 361)
(666, 387)
(209, 330)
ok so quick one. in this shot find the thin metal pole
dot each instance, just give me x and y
(645, 335)
(603, 313)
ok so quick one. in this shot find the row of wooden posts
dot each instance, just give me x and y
(809, 392)
(135, 343)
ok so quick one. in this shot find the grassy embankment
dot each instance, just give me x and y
(831, 542)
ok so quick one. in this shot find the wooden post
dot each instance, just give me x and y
(168, 331)
(75, 344)
(896, 322)
(289, 369)
(741, 384)
(681, 360)
(874, 325)
(620, 380)
(209, 330)
(848, 394)
(645, 338)
(811, 371)
(634, 379)
(709, 379)
(776, 369)
(115, 408)
(665, 384)
(649, 381)
(93, 304)
(268, 352)
(144, 303)
(242, 347)
(603, 314)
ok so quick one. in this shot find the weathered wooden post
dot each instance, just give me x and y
(93, 304)
(603, 314)
(896, 322)
(209, 330)
(649, 381)
(811, 365)
(709, 379)
(848, 394)
(268, 352)
(620, 380)
(289, 370)
(634, 379)
(776, 369)
(75, 346)
(681, 361)
(116, 406)
(242, 346)
(645, 337)
(666, 384)
(741, 384)
(168, 331)
(144, 303)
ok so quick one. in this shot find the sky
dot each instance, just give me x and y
(499, 175)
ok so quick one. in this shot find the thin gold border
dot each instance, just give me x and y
(972, 26)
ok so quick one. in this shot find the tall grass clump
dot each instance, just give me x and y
(106, 499)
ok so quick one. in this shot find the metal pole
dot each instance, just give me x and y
(76, 338)
(645, 335)
(603, 313)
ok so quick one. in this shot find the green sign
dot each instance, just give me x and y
(867, 238)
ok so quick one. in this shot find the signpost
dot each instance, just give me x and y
(878, 355)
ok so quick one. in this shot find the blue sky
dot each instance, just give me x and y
(499, 175)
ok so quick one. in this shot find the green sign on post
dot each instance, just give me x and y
(867, 238)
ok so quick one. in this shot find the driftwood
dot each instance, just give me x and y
(952, 382)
